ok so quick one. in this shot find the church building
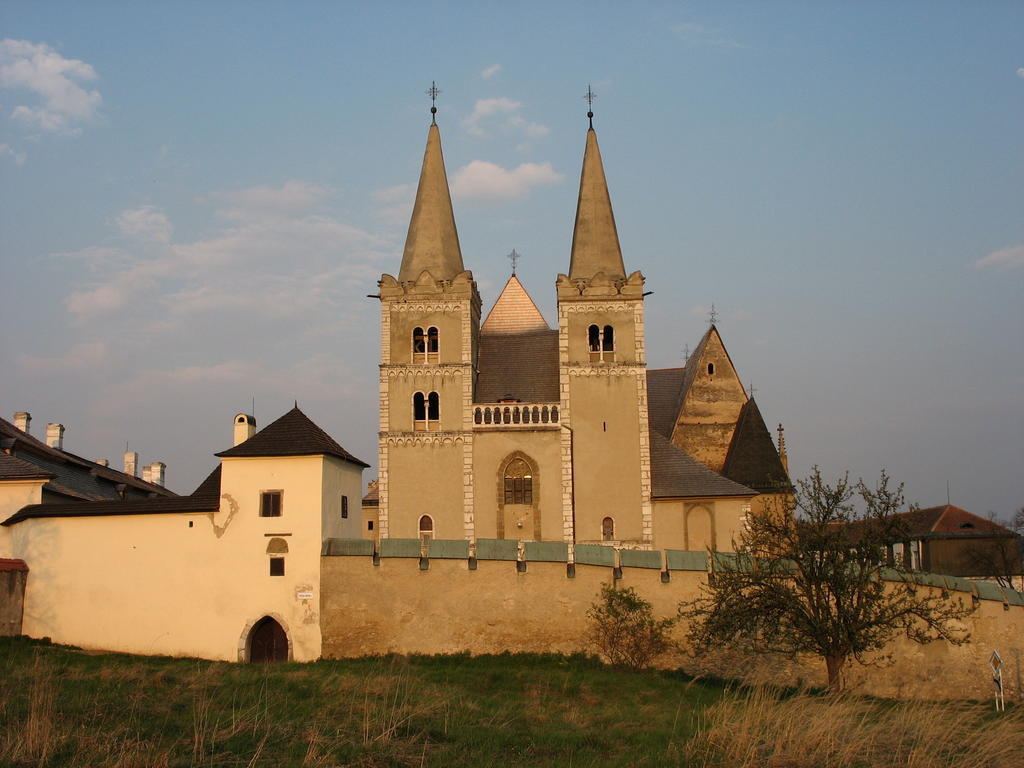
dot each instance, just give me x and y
(507, 428)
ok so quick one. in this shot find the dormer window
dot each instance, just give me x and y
(425, 345)
(601, 343)
(426, 411)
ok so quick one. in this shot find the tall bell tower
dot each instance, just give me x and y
(430, 322)
(606, 473)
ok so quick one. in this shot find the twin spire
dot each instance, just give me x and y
(433, 240)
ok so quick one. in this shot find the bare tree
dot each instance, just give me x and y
(808, 578)
(624, 630)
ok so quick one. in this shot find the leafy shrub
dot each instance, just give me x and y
(624, 630)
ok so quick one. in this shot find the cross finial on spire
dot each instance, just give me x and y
(751, 390)
(433, 91)
(713, 315)
(514, 257)
(590, 96)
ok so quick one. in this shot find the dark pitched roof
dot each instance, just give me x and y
(949, 519)
(294, 434)
(674, 473)
(160, 506)
(523, 365)
(663, 398)
(210, 486)
(752, 458)
(13, 468)
(74, 476)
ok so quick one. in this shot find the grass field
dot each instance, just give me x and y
(63, 707)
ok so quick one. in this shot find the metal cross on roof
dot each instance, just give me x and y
(514, 257)
(713, 315)
(433, 91)
(590, 96)
(751, 390)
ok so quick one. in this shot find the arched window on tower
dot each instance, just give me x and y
(608, 529)
(432, 345)
(518, 483)
(601, 343)
(419, 345)
(426, 527)
(426, 411)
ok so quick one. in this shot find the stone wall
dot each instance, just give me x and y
(538, 604)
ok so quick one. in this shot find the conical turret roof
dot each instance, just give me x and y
(433, 242)
(595, 241)
(514, 312)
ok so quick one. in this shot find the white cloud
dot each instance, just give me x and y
(394, 194)
(1006, 258)
(503, 114)
(491, 71)
(145, 223)
(6, 150)
(486, 181)
(61, 101)
(698, 34)
(263, 201)
(81, 358)
(396, 205)
(1020, 71)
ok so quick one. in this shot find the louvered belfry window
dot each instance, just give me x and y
(518, 483)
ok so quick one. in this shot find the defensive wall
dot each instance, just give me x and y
(402, 598)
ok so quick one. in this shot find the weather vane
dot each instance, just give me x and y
(713, 315)
(590, 96)
(514, 257)
(433, 91)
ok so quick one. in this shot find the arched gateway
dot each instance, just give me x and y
(267, 641)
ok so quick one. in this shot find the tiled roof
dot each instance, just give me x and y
(74, 476)
(752, 458)
(176, 505)
(372, 497)
(949, 519)
(13, 468)
(514, 312)
(294, 434)
(521, 365)
(674, 473)
(663, 398)
(210, 486)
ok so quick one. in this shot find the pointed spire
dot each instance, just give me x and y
(782, 449)
(514, 312)
(595, 241)
(433, 242)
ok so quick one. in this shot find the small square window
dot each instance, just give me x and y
(270, 504)
(344, 507)
(277, 566)
(369, 525)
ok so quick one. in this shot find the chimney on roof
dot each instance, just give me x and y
(156, 472)
(245, 427)
(22, 420)
(103, 462)
(55, 436)
(145, 473)
(131, 461)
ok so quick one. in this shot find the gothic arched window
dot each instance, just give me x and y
(518, 483)
(601, 343)
(426, 411)
(426, 527)
(608, 529)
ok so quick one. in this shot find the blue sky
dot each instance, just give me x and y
(196, 197)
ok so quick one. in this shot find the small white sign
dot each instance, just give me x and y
(303, 595)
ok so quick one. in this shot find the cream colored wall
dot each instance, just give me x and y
(426, 479)
(15, 494)
(689, 524)
(449, 327)
(341, 477)
(449, 390)
(152, 584)
(490, 449)
(397, 608)
(606, 455)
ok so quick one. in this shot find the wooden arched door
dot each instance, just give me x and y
(268, 641)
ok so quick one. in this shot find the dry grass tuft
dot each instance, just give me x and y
(762, 729)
